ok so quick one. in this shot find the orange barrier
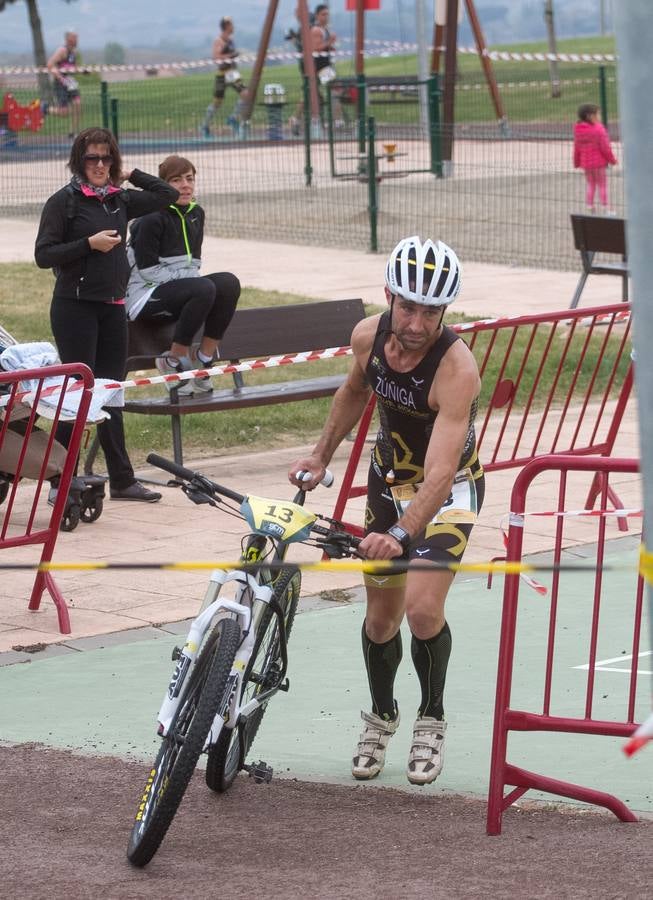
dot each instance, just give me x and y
(545, 647)
(29, 455)
(552, 383)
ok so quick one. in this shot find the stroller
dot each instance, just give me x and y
(86, 494)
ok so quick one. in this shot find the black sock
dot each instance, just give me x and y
(431, 658)
(382, 662)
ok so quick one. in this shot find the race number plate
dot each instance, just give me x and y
(460, 507)
(278, 519)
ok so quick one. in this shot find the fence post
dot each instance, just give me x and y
(603, 95)
(104, 103)
(372, 205)
(330, 136)
(308, 168)
(434, 125)
(360, 112)
(114, 117)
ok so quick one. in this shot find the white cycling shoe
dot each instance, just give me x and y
(426, 756)
(370, 753)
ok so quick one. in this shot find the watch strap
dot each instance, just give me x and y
(401, 535)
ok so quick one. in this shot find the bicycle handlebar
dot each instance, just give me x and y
(185, 474)
(188, 475)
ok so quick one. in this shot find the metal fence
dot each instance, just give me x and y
(504, 197)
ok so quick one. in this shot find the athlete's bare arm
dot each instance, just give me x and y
(218, 51)
(455, 388)
(348, 404)
(54, 60)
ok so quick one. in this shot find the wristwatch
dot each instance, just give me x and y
(400, 534)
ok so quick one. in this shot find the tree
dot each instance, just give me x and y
(551, 35)
(40, 58)
(114, 54)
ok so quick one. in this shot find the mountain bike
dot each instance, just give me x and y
(236, 653)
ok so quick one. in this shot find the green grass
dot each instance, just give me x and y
(174, 107)
(25, 293)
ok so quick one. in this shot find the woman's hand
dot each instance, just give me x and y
(125, 176)
(104, 241)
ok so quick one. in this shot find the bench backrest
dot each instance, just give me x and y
(599, 234)
(262, 331)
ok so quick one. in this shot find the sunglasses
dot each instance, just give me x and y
(96, 158)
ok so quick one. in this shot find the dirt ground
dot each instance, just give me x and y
(66, 818)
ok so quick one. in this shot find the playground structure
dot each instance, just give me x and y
(14, 118)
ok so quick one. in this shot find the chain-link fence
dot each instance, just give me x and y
(285, 175)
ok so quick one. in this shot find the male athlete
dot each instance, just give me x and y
(425, 488)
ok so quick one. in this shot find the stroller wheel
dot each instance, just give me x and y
(70, 518)
(92, 511)
(4, 490)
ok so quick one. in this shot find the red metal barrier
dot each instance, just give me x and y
(562, 383)
(28, 456)
(629, 607)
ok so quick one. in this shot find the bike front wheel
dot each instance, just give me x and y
(227, 756)
(180, 749)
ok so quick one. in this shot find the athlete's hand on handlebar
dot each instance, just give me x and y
(308, 473)
(380, 546)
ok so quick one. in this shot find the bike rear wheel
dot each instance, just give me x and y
(227, 756)
(181, 748)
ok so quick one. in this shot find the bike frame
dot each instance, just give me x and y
(250, 599)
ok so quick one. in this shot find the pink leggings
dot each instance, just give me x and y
(596, 178)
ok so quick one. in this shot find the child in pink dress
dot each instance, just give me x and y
(593, 154)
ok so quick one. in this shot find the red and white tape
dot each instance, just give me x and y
(271, 362)
(396, 48)
(517, 519)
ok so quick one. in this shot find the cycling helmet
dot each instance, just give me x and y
(426, 273)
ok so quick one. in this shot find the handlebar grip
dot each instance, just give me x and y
(327, 479)
(169, 466)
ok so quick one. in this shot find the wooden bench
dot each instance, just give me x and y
(252, 334)
(600, 234)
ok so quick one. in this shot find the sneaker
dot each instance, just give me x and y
(426, 756)
(205, 131)
(201, 384)
(135, 491)
(172, 365)
(370, 753)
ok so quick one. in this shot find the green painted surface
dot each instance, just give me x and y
(106, 700)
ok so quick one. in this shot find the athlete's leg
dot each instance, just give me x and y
(218, 96)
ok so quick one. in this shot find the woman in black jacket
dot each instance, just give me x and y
(82, 237)
(165, 253)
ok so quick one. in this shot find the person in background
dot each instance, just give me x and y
(425, 488)
(67, 99)
(82, 237)
(593, 154)
(224, 55)
(165, 251)
(323, 41)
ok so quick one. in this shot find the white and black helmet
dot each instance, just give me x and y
(426, 273)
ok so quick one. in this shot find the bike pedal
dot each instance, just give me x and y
(176, 653)
(285, 685)
(260, 772)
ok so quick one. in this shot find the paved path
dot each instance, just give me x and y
(106, 602)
